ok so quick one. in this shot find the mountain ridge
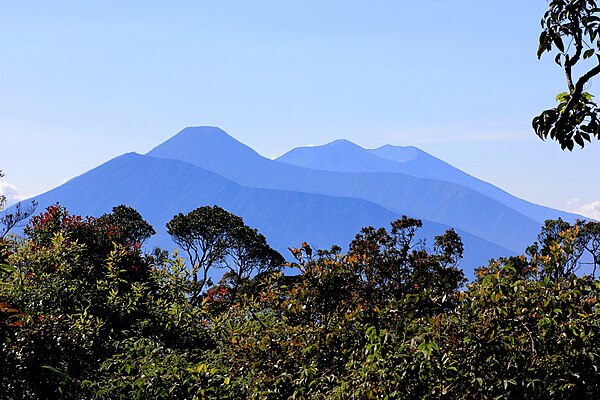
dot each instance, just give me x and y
(286, 218)
(443, 202)
(291, 204)
(419, 164)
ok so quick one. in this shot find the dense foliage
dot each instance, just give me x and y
(85, 313)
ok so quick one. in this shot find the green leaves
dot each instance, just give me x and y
(575, 119)
(390, 320)
(569, 123)
(558, 42)
(588, 53)
(563, 97)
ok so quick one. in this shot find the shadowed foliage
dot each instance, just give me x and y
(84, 313)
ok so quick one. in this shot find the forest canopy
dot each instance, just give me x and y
(86, 313)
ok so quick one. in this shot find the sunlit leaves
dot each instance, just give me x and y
(575, 119)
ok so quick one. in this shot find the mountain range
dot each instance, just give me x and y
(322, 195)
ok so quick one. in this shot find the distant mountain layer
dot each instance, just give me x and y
(440, 201)
(160, 188)
(322, 195)
(345, 156)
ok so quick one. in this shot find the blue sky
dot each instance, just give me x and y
(83, 82)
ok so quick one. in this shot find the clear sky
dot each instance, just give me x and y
(83, 82)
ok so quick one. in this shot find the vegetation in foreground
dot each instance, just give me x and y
(85, 313)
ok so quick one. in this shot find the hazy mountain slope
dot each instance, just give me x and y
(434, 200)
(345, 156)
(340, 155)
(159, 189)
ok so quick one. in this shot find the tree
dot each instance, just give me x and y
(558, 250)
(100, 237)
(393, 264)
(2, 197)
(11, 220)
(202, 234)
(589, 232)
(133, 228)
(248, 253)
(571, 28)
(83, 311)
(214, 237)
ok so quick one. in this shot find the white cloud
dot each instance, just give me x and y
(590, 210)
(11, 192)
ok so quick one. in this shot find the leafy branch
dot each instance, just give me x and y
(576, 118)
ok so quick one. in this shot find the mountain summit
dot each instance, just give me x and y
(340, 155)
(204, 145)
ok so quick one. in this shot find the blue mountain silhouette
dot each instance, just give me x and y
(345, 156)
(161, 188)
(440, 201)
(322, 195)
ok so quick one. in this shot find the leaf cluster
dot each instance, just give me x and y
(571, 28)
